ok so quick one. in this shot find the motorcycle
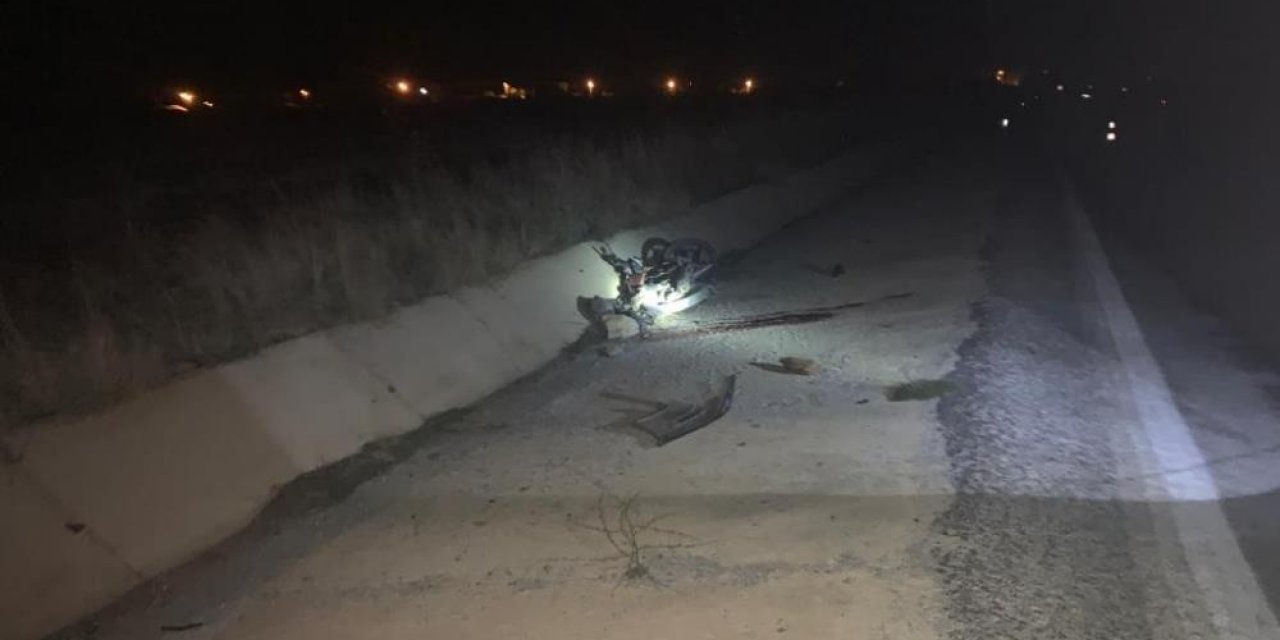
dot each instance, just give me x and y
(667, 277)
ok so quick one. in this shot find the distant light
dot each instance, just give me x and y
(671, 85)
(403, 86)
(305, 94)
(1111, 124)
(1086, 96)
(1004, 123)
(1061, 88)
(1022, 103)
(423, 91)
(748, 85)
(187, 97)
(511, 91)
(1124, 89)
(1164, 102)
(1111, 136)
(207, 104)
(176, 107)
(591, 86)
(1007, 78)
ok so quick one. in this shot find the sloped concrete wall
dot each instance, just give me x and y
(99, 504)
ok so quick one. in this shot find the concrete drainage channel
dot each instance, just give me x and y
(99, 505)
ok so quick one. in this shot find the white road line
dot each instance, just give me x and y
(1229, 588)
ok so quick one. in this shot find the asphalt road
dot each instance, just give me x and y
(1102, 460)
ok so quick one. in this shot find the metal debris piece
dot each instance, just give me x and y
(677, 420)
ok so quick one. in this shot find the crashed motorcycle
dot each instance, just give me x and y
(667, 277)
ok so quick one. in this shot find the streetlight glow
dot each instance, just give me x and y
(671, 85)
(403, 86)
(187, 97)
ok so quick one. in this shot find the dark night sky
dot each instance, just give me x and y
(248, 44)
(132, 49)
(1191, 42)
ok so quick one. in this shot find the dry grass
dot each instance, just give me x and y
(138, 302)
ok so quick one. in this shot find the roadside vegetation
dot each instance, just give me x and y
(108, 293)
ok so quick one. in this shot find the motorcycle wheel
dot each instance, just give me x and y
(696, 296)
(654, 250)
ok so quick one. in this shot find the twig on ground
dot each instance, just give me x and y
(624, 529)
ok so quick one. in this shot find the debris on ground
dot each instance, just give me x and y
(623, 527)
(598, 306)
(837, 270)
(609, 350)
(918, 390)
(790, 365)
(802, 366)
(619, 327)
(766, 320)
(676, 420)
